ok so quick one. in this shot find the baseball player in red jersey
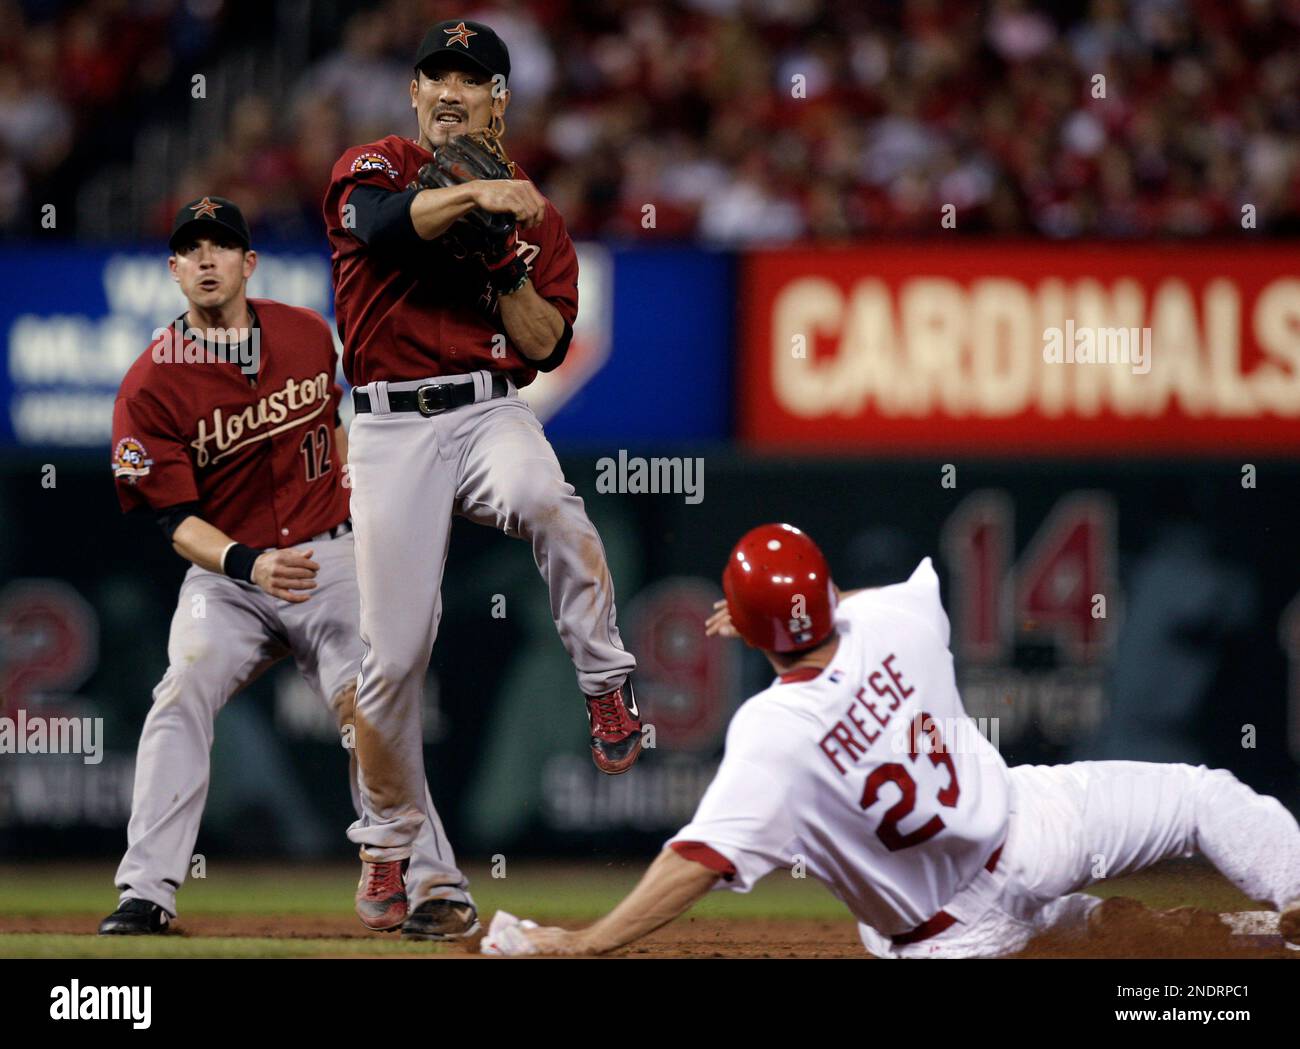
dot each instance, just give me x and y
(441, 326)
(227, 430)
(859, 764)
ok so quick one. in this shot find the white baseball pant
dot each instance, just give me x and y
(224, 634)
(1074, 825)
(489, 462)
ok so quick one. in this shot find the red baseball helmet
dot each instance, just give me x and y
(779, 590)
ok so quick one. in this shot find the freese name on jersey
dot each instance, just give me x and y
(847, 769)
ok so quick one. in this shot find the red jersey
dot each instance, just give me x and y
(258, 457)
(436, 315)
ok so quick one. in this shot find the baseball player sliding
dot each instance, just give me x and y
(227, 430)
(455, 283)
(859, 763)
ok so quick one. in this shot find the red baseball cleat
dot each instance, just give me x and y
(381, 895)
(615, 730)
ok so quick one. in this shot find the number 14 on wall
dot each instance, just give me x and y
(1062, 588)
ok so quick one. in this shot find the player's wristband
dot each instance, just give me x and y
(523, 279)
(237, 561)
(557, 355)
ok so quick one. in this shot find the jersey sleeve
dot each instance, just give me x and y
(918, 598)
(360, 166)
(555, 274)
(744, 816)
(151, 466)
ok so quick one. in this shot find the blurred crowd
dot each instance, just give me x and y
(741, 121)
(75, 79)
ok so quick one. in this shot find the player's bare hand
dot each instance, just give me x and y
(286, 574)
(517, 197)
(719, 624)
(558, 941)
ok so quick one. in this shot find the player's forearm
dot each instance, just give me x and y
(667, 890)
(434, 210)
(199, 542)
(532, 323)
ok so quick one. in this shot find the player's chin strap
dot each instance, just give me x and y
(492, 135)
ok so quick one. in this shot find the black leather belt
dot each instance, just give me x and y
(342, 528)
(943, 920)
(431, 398)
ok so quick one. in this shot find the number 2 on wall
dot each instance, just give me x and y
(896, 773)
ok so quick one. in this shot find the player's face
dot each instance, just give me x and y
(212, 271)
(453, 100)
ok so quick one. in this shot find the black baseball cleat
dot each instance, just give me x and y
(136, 918)
(615, 730)
(441, 920)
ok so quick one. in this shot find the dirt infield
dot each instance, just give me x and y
(689, 938)
(1199, 937)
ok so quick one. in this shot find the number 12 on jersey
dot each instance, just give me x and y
(315, 449)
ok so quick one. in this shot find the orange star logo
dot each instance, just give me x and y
(460, 35)
(205, 209)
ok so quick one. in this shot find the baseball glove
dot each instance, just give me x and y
(486, 235)
(465, 159)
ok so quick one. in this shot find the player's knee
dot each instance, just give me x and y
(1198, 777)
(1216, 777)
(192, 684)
(1211, 784)
(388, 674)
(343, 704)
(539, 500)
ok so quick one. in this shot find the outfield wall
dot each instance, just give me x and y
(896, 401)
(1193, 657)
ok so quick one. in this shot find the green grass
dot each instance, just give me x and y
(551, 892)
(33, 890)
(558, 891)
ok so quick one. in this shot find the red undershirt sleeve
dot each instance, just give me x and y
(698, 852)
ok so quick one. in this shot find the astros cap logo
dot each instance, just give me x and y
(205, 209)
(459, 35)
